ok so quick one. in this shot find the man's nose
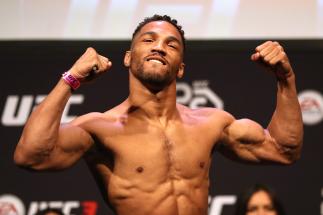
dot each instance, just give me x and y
(159, 47)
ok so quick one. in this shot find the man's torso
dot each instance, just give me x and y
(146, 168)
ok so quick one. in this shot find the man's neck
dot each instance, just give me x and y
(153, 105)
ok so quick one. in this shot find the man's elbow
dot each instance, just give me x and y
(291, 154)
(290, 160)
(20, 159)
(23, 160)
(21, 155)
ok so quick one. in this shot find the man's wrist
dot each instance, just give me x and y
(285, 77)
(69, 79)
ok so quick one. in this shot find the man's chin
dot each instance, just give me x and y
(156, 78)
(156, 81)
(156, 71)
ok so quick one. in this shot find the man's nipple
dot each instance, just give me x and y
(139, 169)
(202, 164)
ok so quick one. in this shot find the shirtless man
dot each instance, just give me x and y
(149, 155)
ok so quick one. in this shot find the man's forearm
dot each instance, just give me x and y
(41, 130)
(286, 125)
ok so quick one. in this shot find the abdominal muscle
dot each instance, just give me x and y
(170, 197)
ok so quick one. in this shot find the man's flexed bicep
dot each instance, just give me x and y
(282, 140)
(44, 143)
(71, 142)
(246, 140)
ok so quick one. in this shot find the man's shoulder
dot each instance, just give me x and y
(110, 115)
(91, 117)
(212, 121)
(207, 112)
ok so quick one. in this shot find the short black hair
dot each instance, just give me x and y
(244, 198)
(165, 18)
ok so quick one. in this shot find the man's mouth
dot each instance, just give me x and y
(157, 60)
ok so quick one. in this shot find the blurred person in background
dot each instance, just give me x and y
(259, 199)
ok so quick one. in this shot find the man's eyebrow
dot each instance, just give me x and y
(148, 33)
(172, 38)
(169, 38)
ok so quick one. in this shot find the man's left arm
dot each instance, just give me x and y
(282, 140)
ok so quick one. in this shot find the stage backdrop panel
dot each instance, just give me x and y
(217, 74)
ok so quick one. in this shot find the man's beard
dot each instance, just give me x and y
(154, 80)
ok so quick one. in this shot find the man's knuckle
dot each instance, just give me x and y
(283, 55)
(262, 54)
(91, 51)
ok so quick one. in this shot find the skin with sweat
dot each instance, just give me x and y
(149, 155)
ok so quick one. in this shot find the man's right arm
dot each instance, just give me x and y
(45, 143)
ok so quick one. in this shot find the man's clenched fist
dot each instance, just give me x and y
(90, 65)
(272, 56)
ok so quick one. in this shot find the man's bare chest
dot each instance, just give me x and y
(182, 151)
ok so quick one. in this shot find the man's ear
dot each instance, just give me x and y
(127, 59)
(180, 72)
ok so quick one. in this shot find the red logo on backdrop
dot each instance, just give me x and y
(89, 207)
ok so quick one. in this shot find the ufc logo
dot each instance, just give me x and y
(17, 108)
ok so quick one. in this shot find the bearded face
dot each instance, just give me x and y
(155, 58)
(155, 71)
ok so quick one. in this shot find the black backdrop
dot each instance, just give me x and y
(215, 71)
